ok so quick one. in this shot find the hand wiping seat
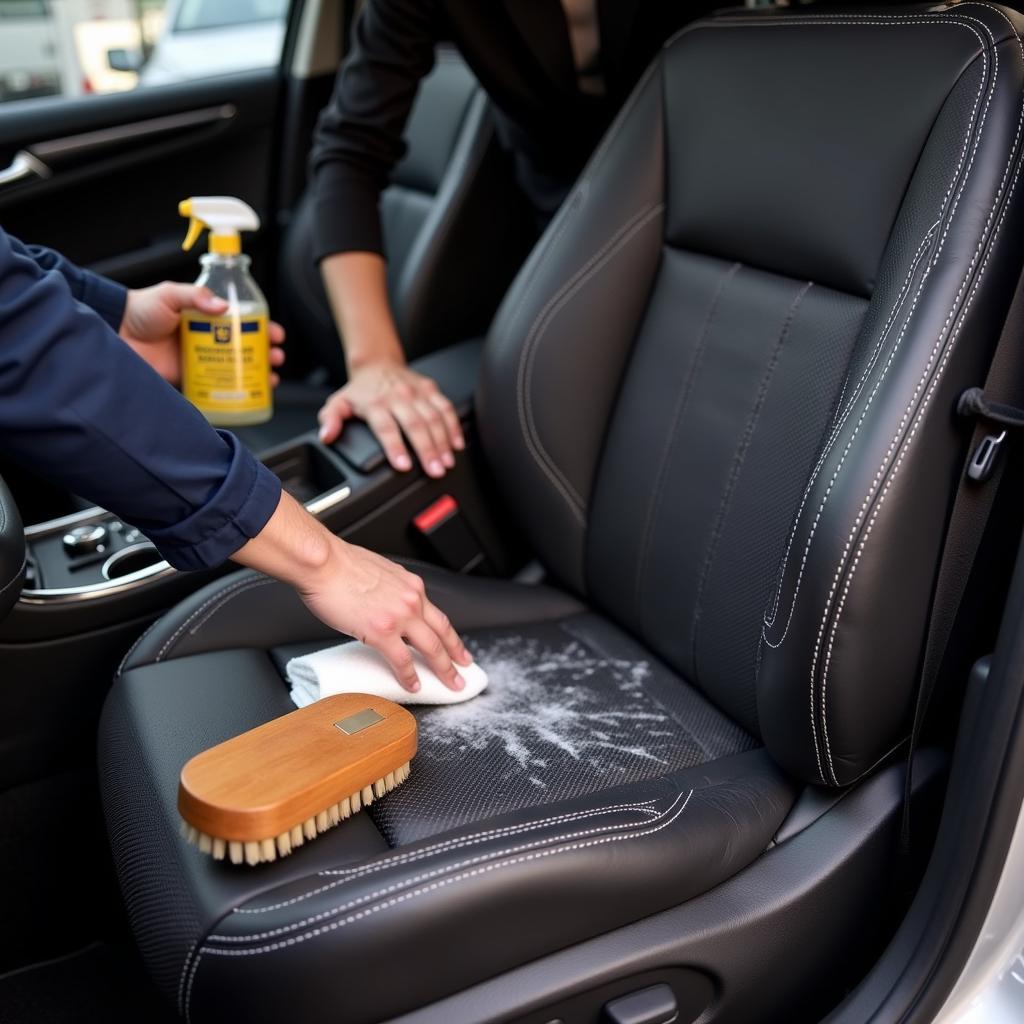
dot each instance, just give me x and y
(357, 668)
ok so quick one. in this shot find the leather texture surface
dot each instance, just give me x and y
(735, 451)
(603, 727)
(754, 477)
(12, 551)
(467, 905)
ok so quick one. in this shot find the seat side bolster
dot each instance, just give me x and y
(850, 607)
(12, 551)
(555, 354)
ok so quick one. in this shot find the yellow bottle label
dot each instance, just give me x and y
(225, 362)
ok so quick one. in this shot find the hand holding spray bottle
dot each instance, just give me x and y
(226, 358)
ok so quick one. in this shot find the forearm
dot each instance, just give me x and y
(391, 397)
(356, 592)
(293, 547)
(356, 285)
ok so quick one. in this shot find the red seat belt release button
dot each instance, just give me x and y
(436, 513)
(446, 532)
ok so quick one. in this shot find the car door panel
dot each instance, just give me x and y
(106, 174)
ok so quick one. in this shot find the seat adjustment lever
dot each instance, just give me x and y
(654, 1005)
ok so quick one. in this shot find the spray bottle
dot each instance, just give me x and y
(226, 358)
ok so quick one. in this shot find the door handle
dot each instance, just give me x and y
(24, 165)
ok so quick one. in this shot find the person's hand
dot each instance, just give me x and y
(151, 320)
(357, 592)
(383, 605)
(395, 400)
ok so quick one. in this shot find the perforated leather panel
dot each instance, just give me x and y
(572, 707)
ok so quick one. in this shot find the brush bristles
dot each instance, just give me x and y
(263, 850)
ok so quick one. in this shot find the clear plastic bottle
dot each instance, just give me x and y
(226, 358)
(226, 365)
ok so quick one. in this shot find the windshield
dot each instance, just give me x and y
(197, 14)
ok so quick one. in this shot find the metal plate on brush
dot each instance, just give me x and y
(358, 722)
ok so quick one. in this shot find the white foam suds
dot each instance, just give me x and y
(547, 706)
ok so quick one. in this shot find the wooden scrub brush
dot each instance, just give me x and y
(258, 796)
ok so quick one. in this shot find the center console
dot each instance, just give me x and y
(91, 554)
(87, 570)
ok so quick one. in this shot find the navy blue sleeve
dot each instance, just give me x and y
(78, 407)
(99, 293)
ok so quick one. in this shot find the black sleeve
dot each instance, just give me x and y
(358, 139)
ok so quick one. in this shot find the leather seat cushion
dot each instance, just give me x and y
(607, 787)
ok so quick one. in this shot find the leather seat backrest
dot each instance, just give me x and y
(447, 136)
(721, 391)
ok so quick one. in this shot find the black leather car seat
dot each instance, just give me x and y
(446, 218)
(720, 397)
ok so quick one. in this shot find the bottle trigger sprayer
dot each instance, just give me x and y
(226, 358)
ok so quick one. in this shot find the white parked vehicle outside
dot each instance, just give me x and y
(30, 63)
(214, 37)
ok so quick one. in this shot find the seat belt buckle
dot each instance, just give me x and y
(983, 460)
(442, 525)
(975, 404)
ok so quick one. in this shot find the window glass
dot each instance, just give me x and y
(199, 14)
(77, 48)
(22, 9)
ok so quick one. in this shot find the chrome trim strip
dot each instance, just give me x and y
(328, 500)
(125, 552)
(74, 145)
(57, 525)
(67, 595)
(24, 165)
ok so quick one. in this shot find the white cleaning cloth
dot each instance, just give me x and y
(356, 668)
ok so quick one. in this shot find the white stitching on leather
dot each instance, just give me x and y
(444, 882)
(987, 239)
(597, 261)
(223, 596)
(547, 315)
(963, 183)
(572, 205)
(977, 140)
(191, 981)
(404, 897)
(903, 421)
(835, 434)
(184, 974)
(827, 450)
(746, 438)
(404, 883)
(641, 807)
(671, 437)
(138, 640)
(574, 201)
(16, 578)
(350, 874)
